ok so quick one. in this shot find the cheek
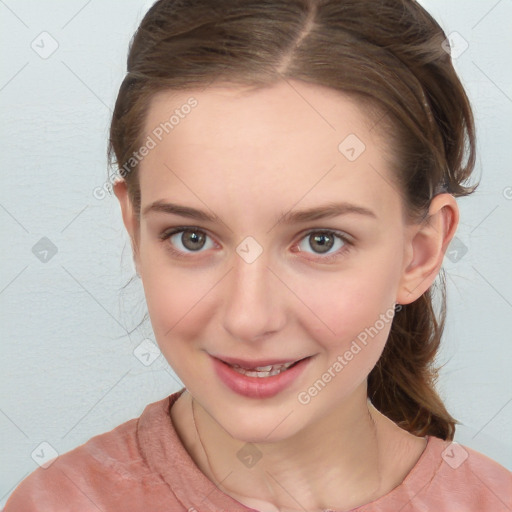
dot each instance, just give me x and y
(175, 298)
(360, 314)
(342, 305)
(170, 290)
(176, 303)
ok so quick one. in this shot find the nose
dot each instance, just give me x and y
(254, 305)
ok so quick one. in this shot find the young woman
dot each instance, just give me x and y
(287, 174)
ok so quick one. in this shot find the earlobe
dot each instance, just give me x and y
(426, 247)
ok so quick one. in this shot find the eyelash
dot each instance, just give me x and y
(166, 235)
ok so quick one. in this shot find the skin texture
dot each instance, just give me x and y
(248, 157)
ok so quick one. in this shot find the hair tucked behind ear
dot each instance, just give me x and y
(389, 56)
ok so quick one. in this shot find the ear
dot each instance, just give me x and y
(426, 245)
(130, 220)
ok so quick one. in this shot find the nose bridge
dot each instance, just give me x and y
(252, 306)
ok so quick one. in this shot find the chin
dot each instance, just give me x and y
(261, 429)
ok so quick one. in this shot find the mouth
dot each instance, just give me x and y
(268, 370)
(259, 379)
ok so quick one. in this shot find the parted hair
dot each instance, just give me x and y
(394, 59)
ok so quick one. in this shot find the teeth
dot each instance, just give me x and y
(263, 371)
(263, 368)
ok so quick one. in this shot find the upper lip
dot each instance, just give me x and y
(244, 363)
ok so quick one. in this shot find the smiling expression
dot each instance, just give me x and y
(262, 239)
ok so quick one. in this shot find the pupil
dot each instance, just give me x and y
(193, 241)
(324, 241)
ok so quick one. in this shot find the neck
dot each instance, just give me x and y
(338, 462)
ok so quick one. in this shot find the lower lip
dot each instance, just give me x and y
(258, 387)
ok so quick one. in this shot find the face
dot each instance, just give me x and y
(257, 282)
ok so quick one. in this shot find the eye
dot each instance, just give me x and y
(186, 240)
(322, 241)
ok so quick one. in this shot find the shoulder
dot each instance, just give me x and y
(86, 478)
(467, 478)
(449, 477)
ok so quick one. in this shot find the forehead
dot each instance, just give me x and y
(291, 106)
(289, 141)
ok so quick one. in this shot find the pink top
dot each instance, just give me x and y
(142, 465)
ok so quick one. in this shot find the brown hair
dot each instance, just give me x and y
(390, 56)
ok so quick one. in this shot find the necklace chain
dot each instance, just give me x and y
(201, 442)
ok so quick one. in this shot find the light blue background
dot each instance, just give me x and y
(68, 371)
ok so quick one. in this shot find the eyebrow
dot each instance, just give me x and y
(176, 209)
(292, 217)
(323, 212)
